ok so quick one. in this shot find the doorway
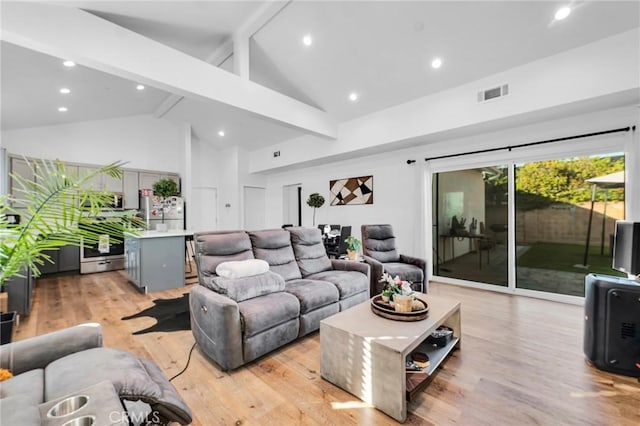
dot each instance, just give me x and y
(292, 204)
(255, 205)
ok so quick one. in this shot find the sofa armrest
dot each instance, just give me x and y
(420, 263)
(350, 265)
(39, 351)
(377, 268)
(216, 326)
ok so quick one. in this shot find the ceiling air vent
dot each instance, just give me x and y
(493, 93)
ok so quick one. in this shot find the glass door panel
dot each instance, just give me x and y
(470, 224)
(565, 215)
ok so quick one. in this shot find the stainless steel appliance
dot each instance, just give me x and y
(107, 255)
(158, 210)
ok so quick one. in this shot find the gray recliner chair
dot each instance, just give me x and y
(379, 251)
(72, 362)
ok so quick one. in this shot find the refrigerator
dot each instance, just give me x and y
(155, 210)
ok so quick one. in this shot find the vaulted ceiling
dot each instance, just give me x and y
(381, 51)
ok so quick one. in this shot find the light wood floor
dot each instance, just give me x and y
(521, 362)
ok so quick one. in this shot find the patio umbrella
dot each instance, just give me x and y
(612, 180)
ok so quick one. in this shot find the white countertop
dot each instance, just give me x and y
(161, 234)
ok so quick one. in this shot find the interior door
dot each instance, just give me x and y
(255, 205)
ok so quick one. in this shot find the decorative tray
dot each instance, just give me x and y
(386, 310)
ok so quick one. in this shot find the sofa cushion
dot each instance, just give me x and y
(29, 385)
(405, 271)
(379, 243)
(245, 288)
(242, 268)
(274, 246)
(262, 313)
(83, 369)
(347, 282)
(213, 248)
(312, 294)
(19, 398)
(309, 250)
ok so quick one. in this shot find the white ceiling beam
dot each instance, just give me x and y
(218, 56)
(88, 40)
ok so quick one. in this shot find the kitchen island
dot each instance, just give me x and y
(155, 260)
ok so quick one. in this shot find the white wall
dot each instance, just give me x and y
(401, 195)
(396, 196)
(143, 141)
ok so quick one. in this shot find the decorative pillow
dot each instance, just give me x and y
(242, 268)
(244, 288)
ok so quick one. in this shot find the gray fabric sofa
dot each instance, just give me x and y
(379, 251)
(72, 361)
(302, 287)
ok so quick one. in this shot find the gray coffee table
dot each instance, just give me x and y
(365, 354)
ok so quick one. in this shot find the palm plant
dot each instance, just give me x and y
(55, 210)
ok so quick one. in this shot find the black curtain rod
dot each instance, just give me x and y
(522, 145)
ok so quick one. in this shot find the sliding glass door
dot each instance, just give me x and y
(470, 224)
(562, 221)
(565, 215)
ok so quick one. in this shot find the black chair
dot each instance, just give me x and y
(287, 225)
(340, 247)
(335, 227)
(321, 228)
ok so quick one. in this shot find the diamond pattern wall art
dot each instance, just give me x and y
(349, 191)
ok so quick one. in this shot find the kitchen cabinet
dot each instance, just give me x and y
(64, 260)
(130, 189)
(100, 182)
(155, 260)
(68, 258)
(20, 168)
(146, 180)
(20, 292)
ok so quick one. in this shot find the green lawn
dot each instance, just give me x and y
(562, 257)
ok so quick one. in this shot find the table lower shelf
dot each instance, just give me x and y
(418, 380)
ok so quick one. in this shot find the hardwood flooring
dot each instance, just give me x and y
(521, 362)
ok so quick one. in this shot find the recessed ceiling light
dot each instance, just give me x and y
(436, 63)
(221, 133)
(353, 96)
(65, 91)
(63, 109)
(307, 40)
(139, 87)
(562, 13)
(69, 64)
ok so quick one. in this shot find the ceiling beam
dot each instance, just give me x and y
(71, 33)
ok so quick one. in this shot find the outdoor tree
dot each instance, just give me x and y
(316, 201)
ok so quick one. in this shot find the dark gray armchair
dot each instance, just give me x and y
(379, 251)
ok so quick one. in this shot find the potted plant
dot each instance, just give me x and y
(164, 188)
(316, 201)
(353, 246)
(54, 211)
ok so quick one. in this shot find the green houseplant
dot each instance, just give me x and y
(316, 201)
(353, 246)
(55, 210)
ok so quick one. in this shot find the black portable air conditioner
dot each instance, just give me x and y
(612, 324)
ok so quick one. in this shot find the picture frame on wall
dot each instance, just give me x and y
(351, 191)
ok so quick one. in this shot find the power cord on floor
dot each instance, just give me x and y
(188, 361)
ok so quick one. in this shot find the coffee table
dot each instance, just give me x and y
(365, 354)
